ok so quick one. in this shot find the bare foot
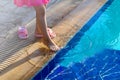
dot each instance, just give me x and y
(52, 46)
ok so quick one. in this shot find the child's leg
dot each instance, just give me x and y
(42, 24)
(38, 32)
(37, 29)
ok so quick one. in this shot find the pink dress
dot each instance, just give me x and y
(30, 2)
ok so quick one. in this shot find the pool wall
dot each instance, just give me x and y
(41, 74)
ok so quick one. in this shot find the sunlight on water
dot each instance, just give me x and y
(104, 33)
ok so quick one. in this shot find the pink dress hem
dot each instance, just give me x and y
(29, 3)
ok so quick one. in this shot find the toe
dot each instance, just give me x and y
(54, 48)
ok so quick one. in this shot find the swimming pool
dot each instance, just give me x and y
(88, 54)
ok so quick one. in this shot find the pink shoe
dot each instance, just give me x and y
(22, 33)
(50, 32)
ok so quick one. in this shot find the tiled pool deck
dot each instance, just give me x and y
(32, 56)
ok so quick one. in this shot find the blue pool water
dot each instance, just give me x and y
(93, 53)
(104, 33)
